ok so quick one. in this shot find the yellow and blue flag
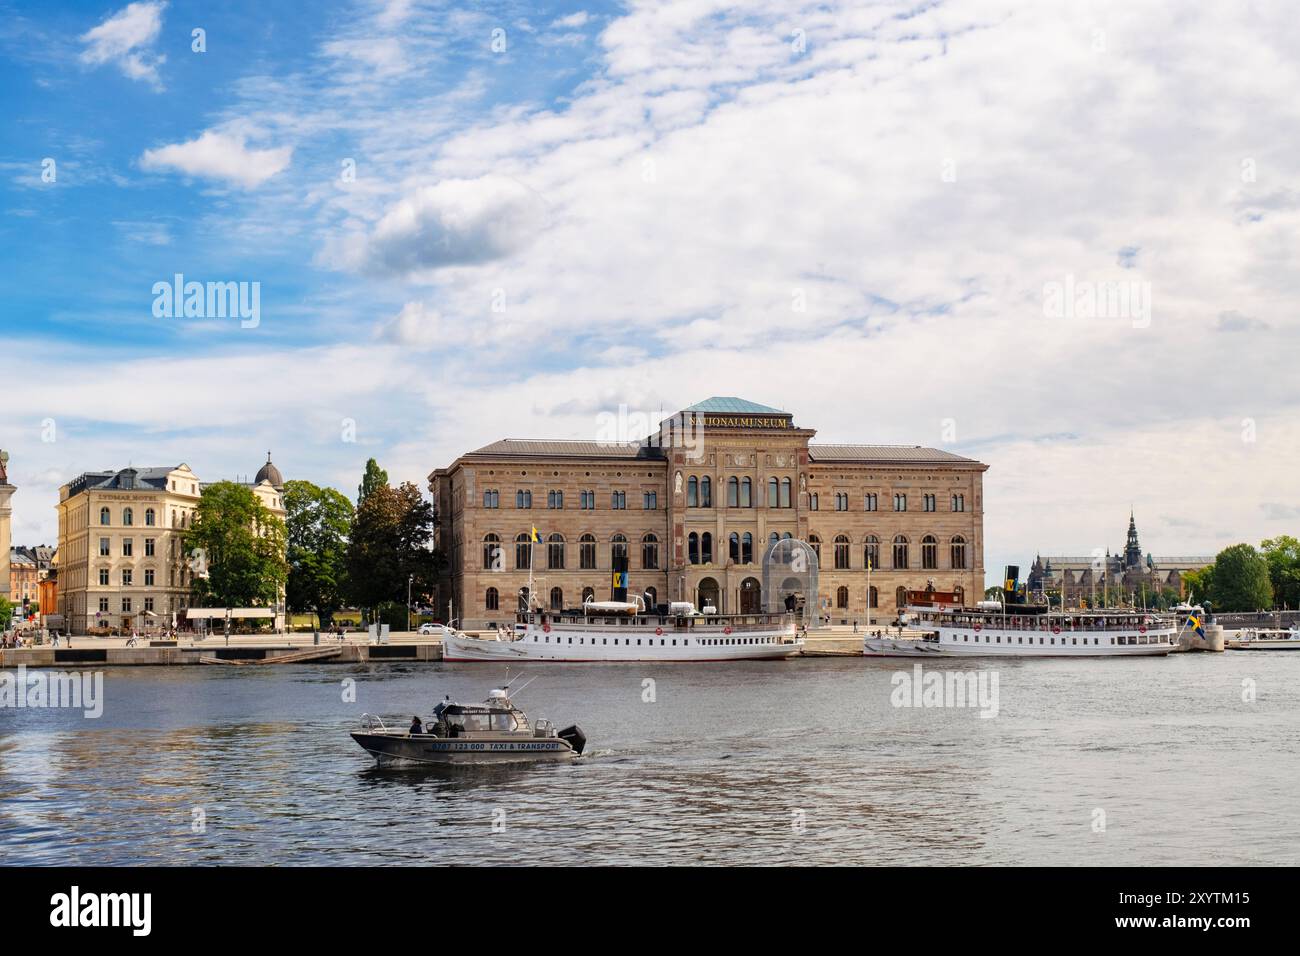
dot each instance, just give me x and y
(1195, 623)
(535, 538)
(620, 579)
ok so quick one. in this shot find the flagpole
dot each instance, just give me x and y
(868, 590)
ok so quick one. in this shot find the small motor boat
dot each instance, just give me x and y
(495, 731)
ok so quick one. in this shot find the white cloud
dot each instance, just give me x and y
(223, 156)
(126, 39)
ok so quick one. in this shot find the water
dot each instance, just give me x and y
(800, 762)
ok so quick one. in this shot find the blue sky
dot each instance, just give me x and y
(858, 212)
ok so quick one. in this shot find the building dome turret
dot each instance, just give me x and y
(269, 472)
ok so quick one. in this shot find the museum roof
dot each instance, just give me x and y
(883, 453)
(729, 405)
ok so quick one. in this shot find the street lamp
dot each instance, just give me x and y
(409, 579)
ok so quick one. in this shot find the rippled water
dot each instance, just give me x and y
(764, 763)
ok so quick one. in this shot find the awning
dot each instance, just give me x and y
(220, 613)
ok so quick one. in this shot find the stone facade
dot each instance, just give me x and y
(696, 506)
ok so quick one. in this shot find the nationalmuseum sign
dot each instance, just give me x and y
(745, 421)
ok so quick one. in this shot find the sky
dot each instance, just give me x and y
(1058, 237)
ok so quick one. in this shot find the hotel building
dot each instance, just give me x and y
(694, 508)
(122, 556)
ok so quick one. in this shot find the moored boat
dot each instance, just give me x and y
(1266, 639)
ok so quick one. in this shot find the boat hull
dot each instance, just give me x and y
(888, 647)
(574, 647)
(401, 750)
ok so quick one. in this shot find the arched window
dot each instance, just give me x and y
(785, 492)
(842, 597)
(871, 553)
(929, 552)
(842, 553)
(706, 492)
(557, 599)
(816, 544)
(651, 597)
(493, 557)
(746, 548)
(746, 493)
(693, 548)
(103, 516)
(772, 539)
(692, 492)
(900, 598)
(127, 517)
(900, 553)
(588, 594)
(706, 548)
(873, 597)
(492, 600)
(733, 492)
(617, 549)
(733, 547)
(773, 494)
(812, 501)
(650, 552)
(150, 517)
(787, 536)
(523, 499)
(587, 552)
(959, 552)
(523, 550)
(555, 552)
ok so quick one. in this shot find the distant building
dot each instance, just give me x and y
(1077, 580)
(23, 576)
(122, 556)
(6, 514)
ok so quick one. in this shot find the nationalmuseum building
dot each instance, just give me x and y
(695, 506)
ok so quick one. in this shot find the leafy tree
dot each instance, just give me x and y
(6, 612)
(1283, 556)
(1240, 581)
(391, 542)
(1199, 583)
(240, 544)
(317, 522)
(373, 479)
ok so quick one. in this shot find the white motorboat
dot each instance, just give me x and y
(1266, 639)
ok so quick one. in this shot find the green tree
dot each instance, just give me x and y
(1283, 556)
(1240, 581)
(373, 479)
(237, 549)
(1199, 583)
(317, 522)
(6, 612)
(391, 543)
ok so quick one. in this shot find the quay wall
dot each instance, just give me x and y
(92, 656)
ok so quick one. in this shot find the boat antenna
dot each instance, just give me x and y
(526, 683)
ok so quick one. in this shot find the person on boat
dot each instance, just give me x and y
(416, 726)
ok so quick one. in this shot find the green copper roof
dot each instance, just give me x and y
(721, 405)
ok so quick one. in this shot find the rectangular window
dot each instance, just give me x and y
(587, 500)
(872, 502)
(148, 547)
(958, 502)
(103, 604)
(126, 577)
(619, 500)
(900, 502)
(103, 577)
(126, 547)
(927, 502)
(103, 547)
(148, 577)
(650, 501)
(126, 605)
(555, 499)
(491, 498)
(148, 604)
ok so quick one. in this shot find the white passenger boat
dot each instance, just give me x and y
(993, 629)
(626, 631)
(1266, 639)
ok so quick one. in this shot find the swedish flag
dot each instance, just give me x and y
(535, 538)
(1194, 623)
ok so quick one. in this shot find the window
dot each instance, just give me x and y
(842, 556)
(523, 550)
(746, 493)
(706, 548)
(958, 502)
(128, 517)
(650, 552)
(103, 577)
(706, 492)
(900, 502)
(587, 552)
(619, 501)
(587, 500)
(150, 518)
(493, 557)
(900, 553)
(126, 605)
(733, 547)
(492, 600)
(148, 604)
(692, 492)
(872, 502)
(929, 553)
(127, 547)
(841, 501)
(617, 549)
(733, 492)
(842, 597)
(746, 548)
(693, 548)
(523, 499)
(492, 498)
(103, 604)
(555, 499)
(785, 492)
(958, 549)
(555, 552)
(148, 577)
(650, 501)
(588, 594)
(557, 599)
(148, 547)
(927, 503)
(812, 501)
(126, 577)
(773, 493)
(103, 547)
(816, 544)
(103, 518)
(871, 552)
(873, 596)
(651, 599)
